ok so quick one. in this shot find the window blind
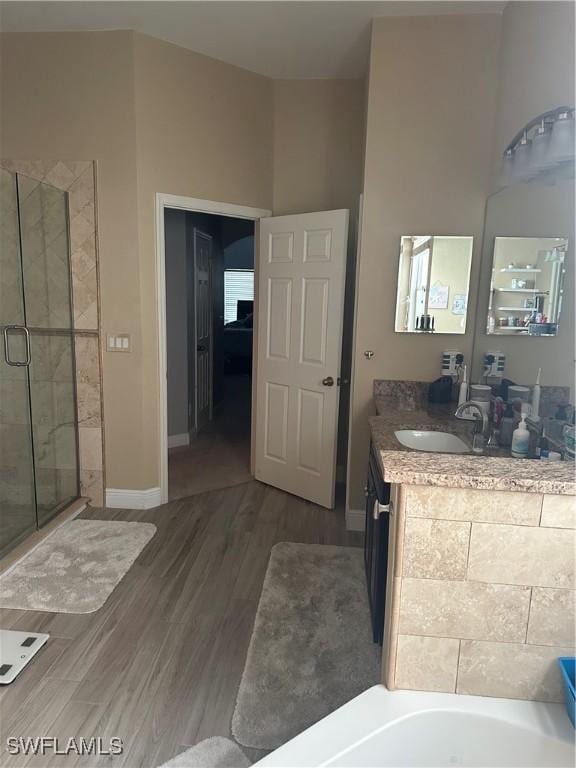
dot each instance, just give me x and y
(238, 285)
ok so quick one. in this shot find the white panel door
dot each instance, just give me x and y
(203, 327)
(302, 267)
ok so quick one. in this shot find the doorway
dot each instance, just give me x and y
(298, 322)
(38, 423)
(209, 267)
(206, 392)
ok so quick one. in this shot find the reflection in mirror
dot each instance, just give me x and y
(433, 283)
(527, 286)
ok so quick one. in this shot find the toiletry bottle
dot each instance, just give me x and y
(463, 391)
(520, 440)
(543, 450)
(507, 425)
(536, 396)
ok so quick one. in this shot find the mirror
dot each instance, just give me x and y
(528, 213)
(527, 286)
(433, 284)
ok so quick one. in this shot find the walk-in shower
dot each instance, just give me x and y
(39, 472)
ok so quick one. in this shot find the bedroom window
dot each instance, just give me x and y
(238, 294)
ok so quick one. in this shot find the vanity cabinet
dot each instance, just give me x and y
(376, 544)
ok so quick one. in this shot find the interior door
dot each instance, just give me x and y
(203, 327)
(301, 299)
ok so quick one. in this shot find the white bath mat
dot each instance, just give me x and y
(76, 568)
(216, 752)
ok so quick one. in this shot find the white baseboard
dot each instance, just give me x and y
(175, 441)
(121, 498)
(355, 519)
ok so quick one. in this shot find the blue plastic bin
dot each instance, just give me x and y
(568, 669)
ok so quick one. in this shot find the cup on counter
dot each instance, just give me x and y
(516, 392)
(480, 393)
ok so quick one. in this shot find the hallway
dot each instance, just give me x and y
(219, 457)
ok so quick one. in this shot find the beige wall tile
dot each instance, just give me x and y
(426, 663)
(87, 359)
(435, 549)
(552, 617)
(89, 406)
(464, 609)
(473, 505)
(92, 486)
(558, 511)
(511, 554)
(90, 447)
(510, 670)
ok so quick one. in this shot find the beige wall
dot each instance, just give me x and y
(203, 129)
(71, 96)
(431, 108)
(318, 144)
(451, 266)
(537, 64)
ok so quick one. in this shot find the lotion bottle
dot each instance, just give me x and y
(520, 440)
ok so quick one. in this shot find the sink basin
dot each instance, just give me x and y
(434, 442)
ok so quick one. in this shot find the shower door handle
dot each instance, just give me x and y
(16, 329)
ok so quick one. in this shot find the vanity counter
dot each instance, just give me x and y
(404, 465)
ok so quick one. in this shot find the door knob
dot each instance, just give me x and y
(328, 381)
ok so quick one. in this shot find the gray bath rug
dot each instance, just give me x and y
(217, 752)
(76, 568)
(311, 649)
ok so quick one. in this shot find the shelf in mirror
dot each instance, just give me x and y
(519, 290)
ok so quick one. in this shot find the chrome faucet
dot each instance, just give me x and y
(481, 435)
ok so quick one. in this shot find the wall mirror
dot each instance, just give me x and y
(522, 220)
(527, 286)
(433, 284)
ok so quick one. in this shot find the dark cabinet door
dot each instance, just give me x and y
(376, 545)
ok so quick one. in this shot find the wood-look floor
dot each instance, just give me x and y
(160, 663)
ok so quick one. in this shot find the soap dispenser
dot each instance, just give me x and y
(520, 440)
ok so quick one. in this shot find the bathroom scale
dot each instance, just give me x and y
(17, 649)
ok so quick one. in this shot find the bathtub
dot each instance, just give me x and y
(412, 728)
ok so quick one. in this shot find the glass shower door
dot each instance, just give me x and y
(17, 490)
(44, 237)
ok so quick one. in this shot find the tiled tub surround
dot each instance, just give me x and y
(481, 566)
(482, 597)
(77, 178)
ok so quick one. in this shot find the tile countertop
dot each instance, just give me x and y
(403, 465)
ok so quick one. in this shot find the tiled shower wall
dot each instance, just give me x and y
(483, 597)
(77, 178)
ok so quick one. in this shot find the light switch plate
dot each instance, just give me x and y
(119, 342)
